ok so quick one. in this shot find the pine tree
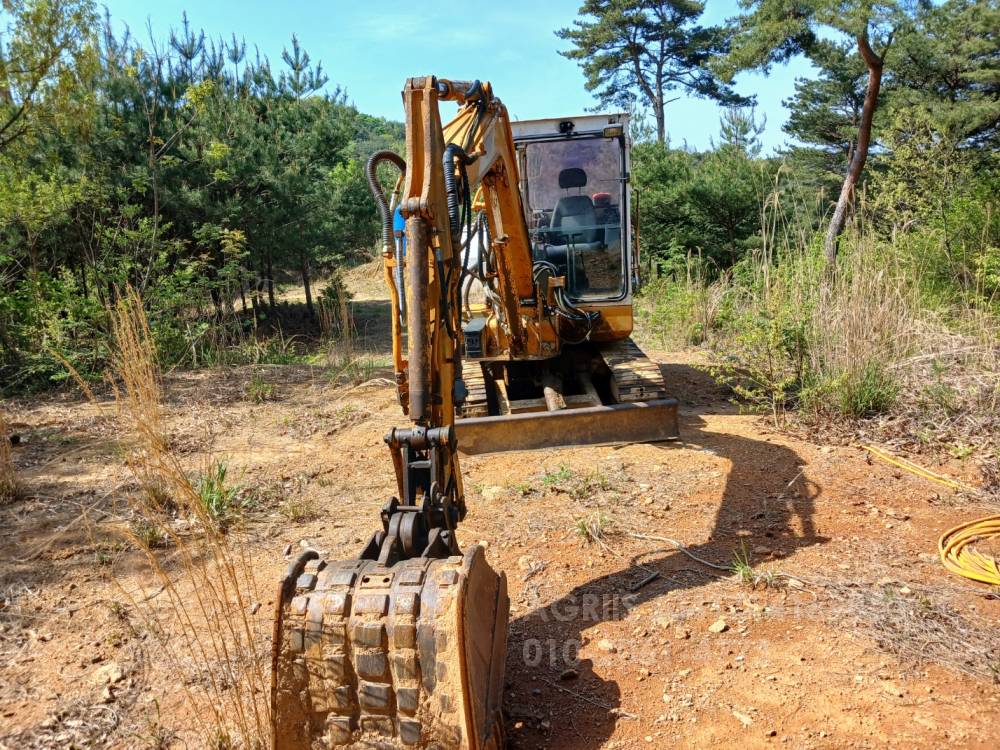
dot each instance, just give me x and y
(774, 31)
(643, 50)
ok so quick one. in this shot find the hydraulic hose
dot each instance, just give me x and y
(955, 547)
(385, 213)
(970, 563)
(451, 186)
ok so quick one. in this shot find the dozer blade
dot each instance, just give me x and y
(405, 656)
(637, 422)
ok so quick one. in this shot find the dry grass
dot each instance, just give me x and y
(866, 354)
(8, 482)
(202, 603)
(334, 309)
(920, 626)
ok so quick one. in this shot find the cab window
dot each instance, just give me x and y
(572, 193)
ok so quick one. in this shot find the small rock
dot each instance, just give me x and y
(107, 695)
(719, 626)
(536, 692)
(682, 634)
(484, 544)
(109, 674)
(569, 674)
(905, 591)
(771, 733)
(525, 562)
(891, 688)
(607, 646)
(683, 673)
(491, 493)
(743, 718)
(761, 550)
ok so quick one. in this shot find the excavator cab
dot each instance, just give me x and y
(589, 383)
(575, 190)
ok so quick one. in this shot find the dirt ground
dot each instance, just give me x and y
(842, 631)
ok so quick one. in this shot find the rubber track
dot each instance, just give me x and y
(475, 404)
(635, 377)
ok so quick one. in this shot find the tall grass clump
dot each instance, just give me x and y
(887, 334)
(209, 627)
(8, 481)
(334, 308)
(682, 310)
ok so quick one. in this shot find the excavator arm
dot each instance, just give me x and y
(404, 646)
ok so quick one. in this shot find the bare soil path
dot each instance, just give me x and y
(844, 631)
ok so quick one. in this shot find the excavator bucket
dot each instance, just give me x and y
(405, 656)
(636, 422)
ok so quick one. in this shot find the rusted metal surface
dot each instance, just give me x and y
(642, 422)
(402, 656)
(418, 354)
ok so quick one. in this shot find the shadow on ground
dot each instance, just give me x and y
(765, 494)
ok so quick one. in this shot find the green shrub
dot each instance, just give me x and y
(220, 501)
(872, 391)
(259, 390)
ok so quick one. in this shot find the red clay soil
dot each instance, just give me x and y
(842, 631)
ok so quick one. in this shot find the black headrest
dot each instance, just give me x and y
(572, 177)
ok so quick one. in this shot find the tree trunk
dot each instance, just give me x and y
(661, 121)
(304, 266)
(258, 286)
(860, 156)
(83, 278)
(270, 285)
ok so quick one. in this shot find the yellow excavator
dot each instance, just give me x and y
(510, 265)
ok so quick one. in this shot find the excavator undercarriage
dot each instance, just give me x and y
(590, 395)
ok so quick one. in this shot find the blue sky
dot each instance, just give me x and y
(370, 48)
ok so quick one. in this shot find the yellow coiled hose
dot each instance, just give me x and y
(959, 557)
(956, 545)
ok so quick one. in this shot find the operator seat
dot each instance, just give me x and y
(573, 228)
(574, 214)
